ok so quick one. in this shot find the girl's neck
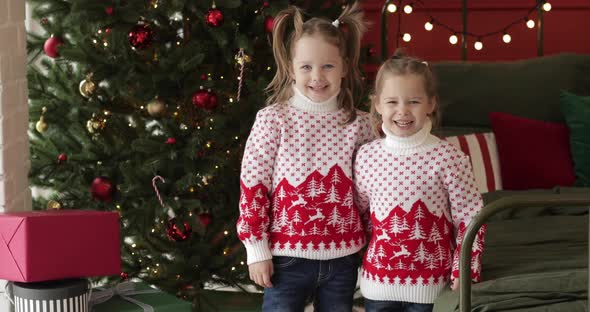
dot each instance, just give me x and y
(304, 103)
(414, 143)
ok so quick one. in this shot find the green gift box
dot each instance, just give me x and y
(228, 301)
(136, 297)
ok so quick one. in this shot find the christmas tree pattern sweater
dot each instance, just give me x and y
(296, 182)
(419, 191)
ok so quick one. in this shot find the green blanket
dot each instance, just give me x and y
(564, 290)
(534, 260)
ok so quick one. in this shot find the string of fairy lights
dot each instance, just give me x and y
(433, 22)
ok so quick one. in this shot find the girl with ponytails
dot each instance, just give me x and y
(298, 220)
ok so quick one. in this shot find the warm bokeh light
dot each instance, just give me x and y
(408, 9)
(453, 39)
(478, 45)
(391, 8)
(530, 23)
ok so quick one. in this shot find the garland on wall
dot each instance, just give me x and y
(528, 19)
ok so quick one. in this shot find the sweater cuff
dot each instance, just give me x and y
(257, 251)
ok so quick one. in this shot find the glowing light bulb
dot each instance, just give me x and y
(391, 8)
(547, 7)
(478, 45)
(530, 23)
(453, 39)
(428, 26)
(407, 37)
(408, 9)
(506, 38)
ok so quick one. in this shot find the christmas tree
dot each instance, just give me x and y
(143, 107)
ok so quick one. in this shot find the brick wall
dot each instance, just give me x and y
(15, 194)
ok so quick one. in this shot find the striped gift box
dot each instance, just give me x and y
(53, 296)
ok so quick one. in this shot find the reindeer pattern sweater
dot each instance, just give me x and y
(419, 192)
(296, 182)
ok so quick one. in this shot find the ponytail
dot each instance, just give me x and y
(280, 86)
(352, 26)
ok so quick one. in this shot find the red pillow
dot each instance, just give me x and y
(533, 153)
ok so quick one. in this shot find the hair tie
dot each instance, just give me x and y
(425, 63)
(336, 23)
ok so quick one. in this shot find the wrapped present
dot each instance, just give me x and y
(63, 295)
(53, 245)
(136, 297)
(229, 301)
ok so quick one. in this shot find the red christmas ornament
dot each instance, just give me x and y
(205, 99)
(205, 218)
(203, 77)
(62, 158)
(51, 45)
(109, 10)
(269, 22)
(200, 154)
(176, 233)
(141, 36)
(265, 4)
(124, 276)
(171, 141)
(214, 17)
(102, 189)
(44, 20)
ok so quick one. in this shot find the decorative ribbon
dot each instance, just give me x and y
(7, 294)
(123, 290)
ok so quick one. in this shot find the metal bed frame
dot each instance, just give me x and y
(517, 201)
(385, 54)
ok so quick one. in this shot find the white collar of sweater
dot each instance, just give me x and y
(302, 102)
(417, 142)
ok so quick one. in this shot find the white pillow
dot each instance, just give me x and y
(483, 152)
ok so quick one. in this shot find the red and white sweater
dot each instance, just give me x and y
(296, 182)
(420, 192)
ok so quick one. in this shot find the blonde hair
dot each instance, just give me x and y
(401, 64)
(344, 33)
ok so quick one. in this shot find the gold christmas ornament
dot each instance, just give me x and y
(41, 125)
(87, 86)
(241, 59)
(206, 179)
(95, 124)
(156, 107)
(52, 204)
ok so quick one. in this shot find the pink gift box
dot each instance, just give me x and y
(48, 245)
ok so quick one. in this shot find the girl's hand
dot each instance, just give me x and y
(455, 284)
(260, 273)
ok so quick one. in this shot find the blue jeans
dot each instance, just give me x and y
(396, 306)
(329, 283)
